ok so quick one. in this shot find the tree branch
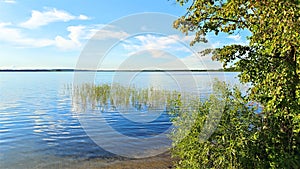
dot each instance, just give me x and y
(229, 20)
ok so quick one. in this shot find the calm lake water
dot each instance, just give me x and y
(39, 127)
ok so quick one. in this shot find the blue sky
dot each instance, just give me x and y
(52, 33)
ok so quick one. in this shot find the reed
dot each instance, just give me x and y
(117, 97)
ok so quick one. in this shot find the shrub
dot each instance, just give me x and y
(205, 138)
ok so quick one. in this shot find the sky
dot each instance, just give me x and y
(56, 34)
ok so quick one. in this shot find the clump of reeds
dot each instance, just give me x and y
(116, 97)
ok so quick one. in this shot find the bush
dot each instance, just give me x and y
(206, 138)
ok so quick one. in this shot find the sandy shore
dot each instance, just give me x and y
(162, 161)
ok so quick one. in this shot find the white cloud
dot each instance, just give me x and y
(65, 44)
(196, 61)
(102, 32)
(73, 41)
(77, 35)
(151, 42)
(81, 33)
(216, 44)
(9, 1)
(4, 24)
(107, 34)
(15, 36)
(235, 37)
(186, 39)
(39, 19)
(83, 17)
(173, 48)
(76, 32)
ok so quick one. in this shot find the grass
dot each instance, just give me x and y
(117, 97)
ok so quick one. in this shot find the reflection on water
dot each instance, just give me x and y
(38, 128)
(136, 119)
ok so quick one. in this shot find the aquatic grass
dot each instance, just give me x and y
(118, 97)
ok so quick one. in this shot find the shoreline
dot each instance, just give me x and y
(114, 70)
(161, 161)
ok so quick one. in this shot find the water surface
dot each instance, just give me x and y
(39, 128)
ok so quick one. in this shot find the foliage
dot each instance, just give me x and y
(229, 145)
(270, 62)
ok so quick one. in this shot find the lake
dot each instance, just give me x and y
(40, 126)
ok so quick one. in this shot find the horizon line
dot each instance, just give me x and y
(109, 70)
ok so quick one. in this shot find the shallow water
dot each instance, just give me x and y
(39, 128)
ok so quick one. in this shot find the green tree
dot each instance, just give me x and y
(270, 62)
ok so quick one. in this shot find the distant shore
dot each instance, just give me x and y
(131, 70)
